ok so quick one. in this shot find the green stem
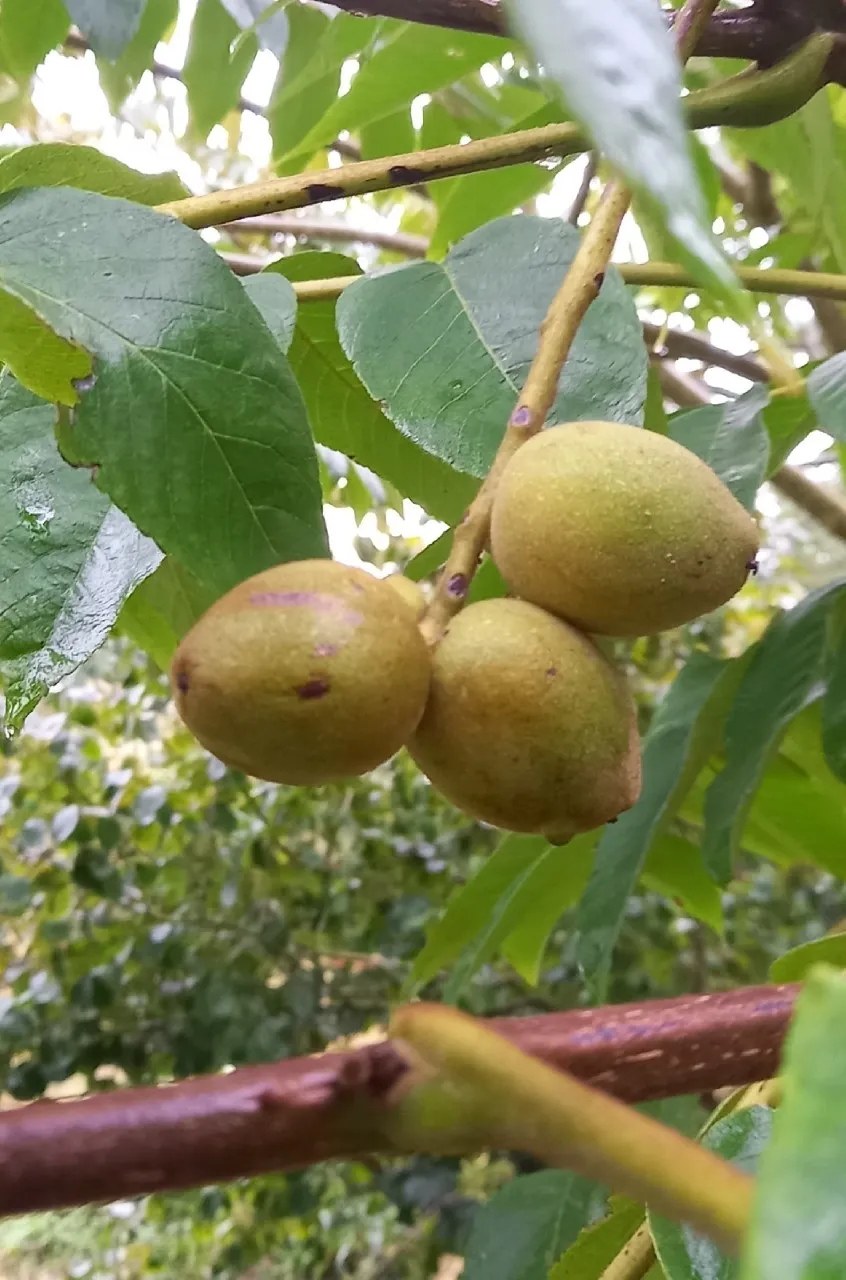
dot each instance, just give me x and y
(753, 98)
(799, 284)
(467, 1080)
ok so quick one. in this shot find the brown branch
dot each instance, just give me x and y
(322, 229)
(292, 1114)
(695, 346)
(581, 196)
(755, 33)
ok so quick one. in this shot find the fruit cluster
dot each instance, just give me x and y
(313, 671)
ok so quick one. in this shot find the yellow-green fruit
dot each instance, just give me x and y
(527, 725)
(410, 592)
(619, 530)
(305, 673)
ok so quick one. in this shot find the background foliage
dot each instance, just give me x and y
(163, 915)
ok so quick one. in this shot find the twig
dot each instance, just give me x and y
(580, 286)
(755, 99)
(797, 284)
(295, 1113)
(580, 199)
(801, 284)
(487, 1086)
(824, 507)
(322, 229)
(695, 346)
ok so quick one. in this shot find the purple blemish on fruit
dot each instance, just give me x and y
(521, 417)
(752, 566)
(552, 671)
(314, 600)
(326, 650)
(313, 689)
(182, 681)
(457, 586)
(81, 385)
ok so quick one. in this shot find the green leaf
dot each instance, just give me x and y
(264, 17)
(469, 911)
(29, 29)
(163, 608)
(732, 439)
(410, 60)
(468, 202)
(834, 714)
(69, 558)
(654, 414)
(445, 347)
(62, 164)
(16, 893)
(108, 25)
(430, 559)
(674, 868)
(788, 420)
(310, 75)
(526, 913)
(45, 362)
(344, 416)
(614, 62)
(392, 135)
(598, 1245)
(683, 1253)
(194, 418)
(553, 886)
(798, 1229)
(827, 394)
(782, 676)
(682, 736)
(212, 76)
(520, 1232)
(120, 77)
(796, 964)
(274, 297)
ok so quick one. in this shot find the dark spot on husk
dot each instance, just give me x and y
(401, 174)
(552, 671)
(182, 680)
(521, 417)
(599, 280)
(457, 586)
(313, 689)
(324, 191)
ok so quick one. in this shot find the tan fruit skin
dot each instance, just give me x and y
(309, 672)
(528, 726)
(619, 530)
(410, 592)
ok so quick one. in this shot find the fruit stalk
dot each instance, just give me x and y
(467, 1077)
(578, 290)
